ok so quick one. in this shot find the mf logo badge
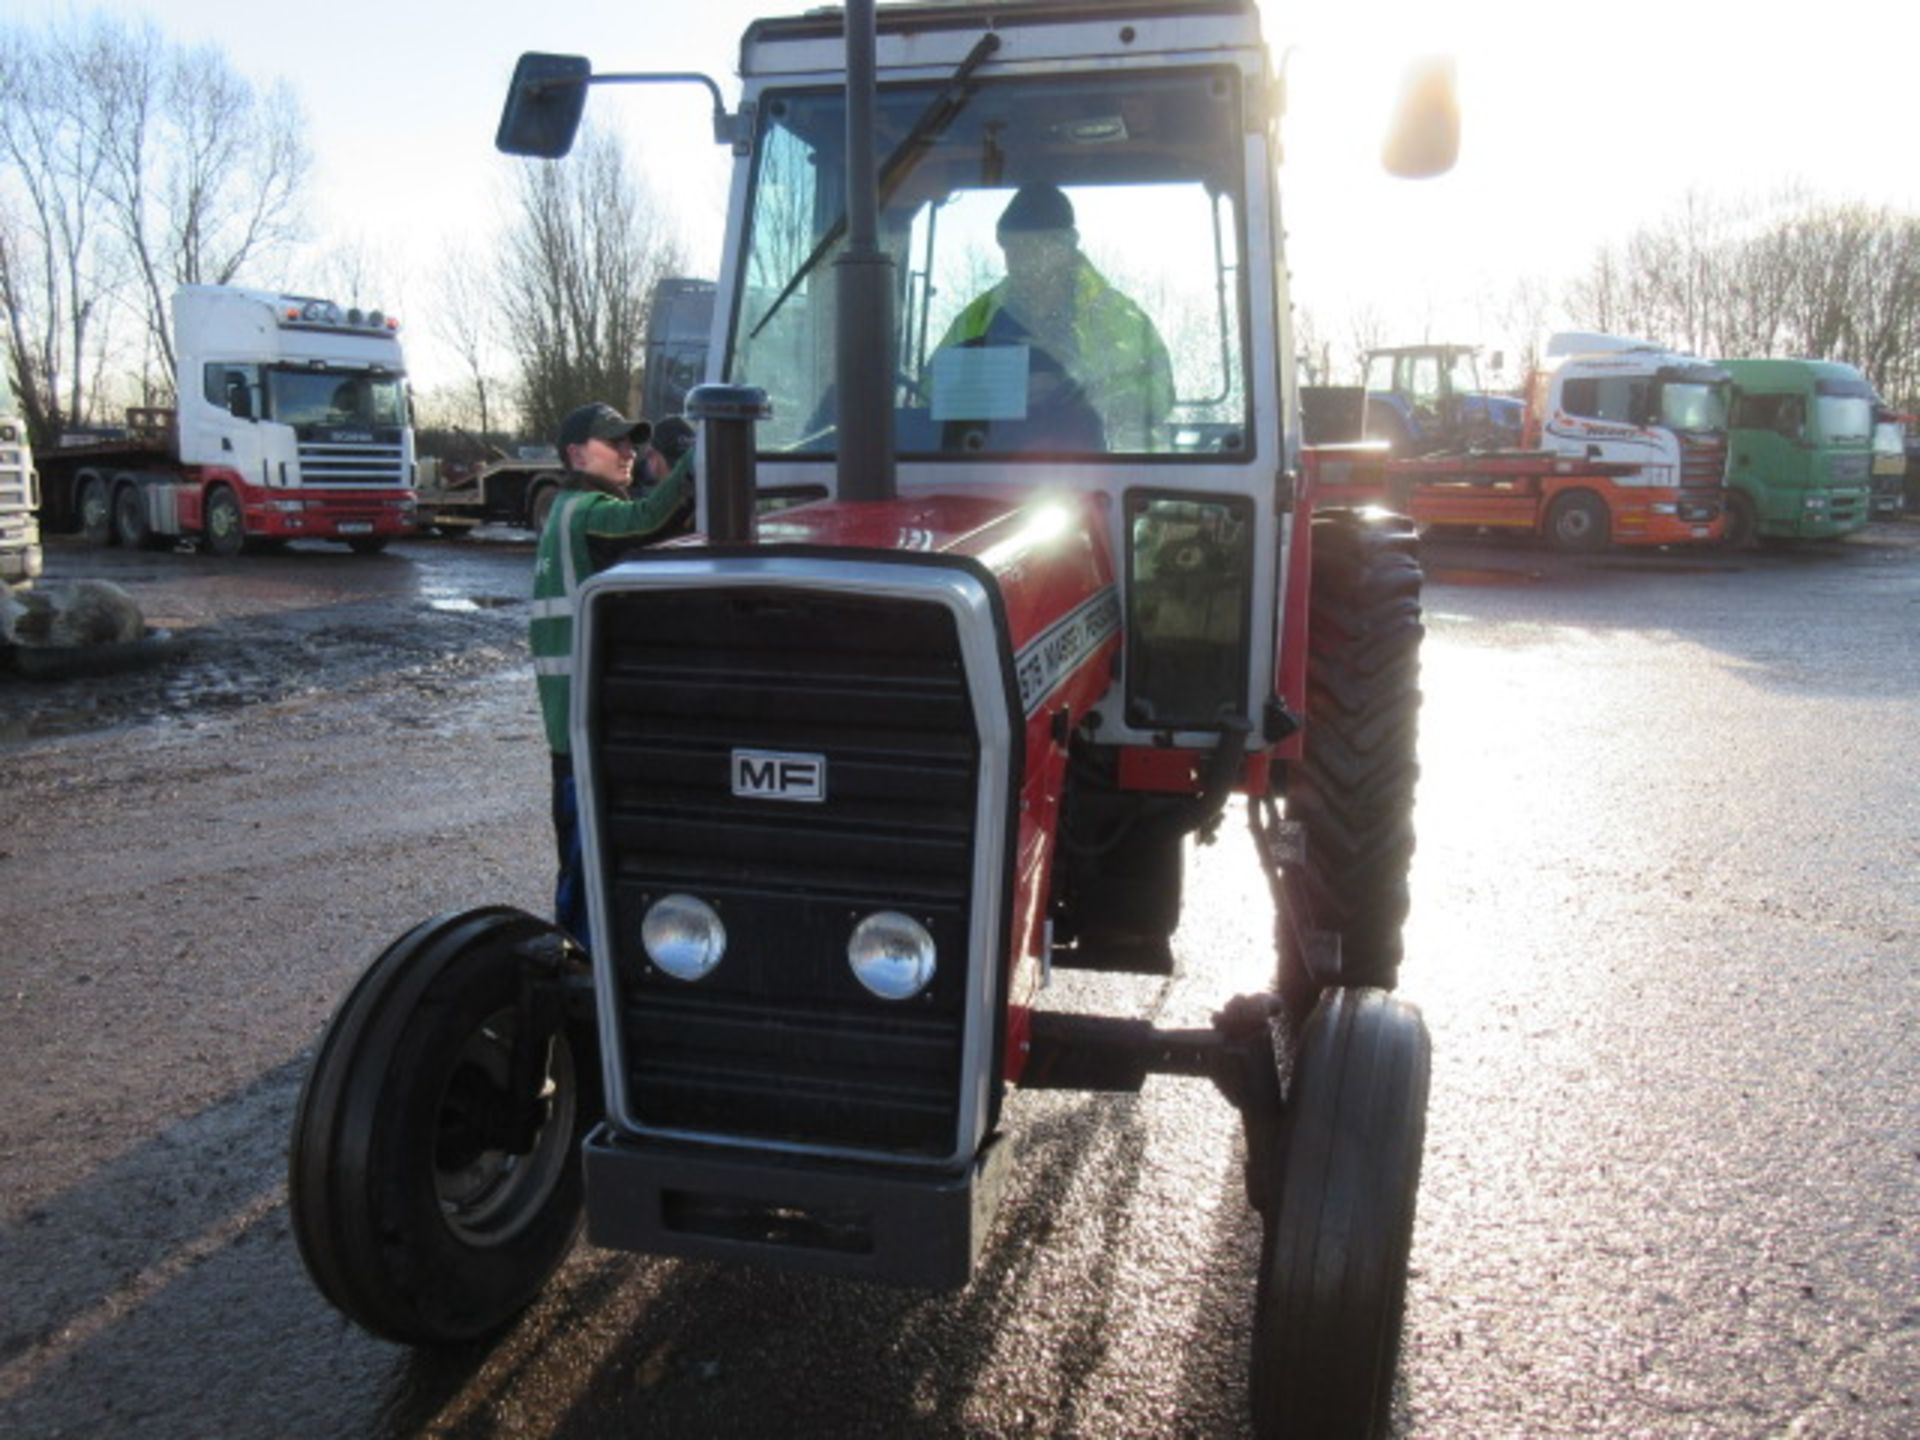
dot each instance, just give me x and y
(779, 775)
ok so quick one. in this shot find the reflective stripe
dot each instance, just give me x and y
(554, 607)
(554, 665)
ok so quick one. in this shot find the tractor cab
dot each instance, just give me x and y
(1083, 297)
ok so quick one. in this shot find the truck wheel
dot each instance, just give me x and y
(1577, 523)
(226, 526)
(1333, 1267)
(1352, 789)
(96, 509)
(541, 506)
(130, 526)
(1742, 530)
(417, 1212)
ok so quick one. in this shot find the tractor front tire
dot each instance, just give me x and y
(1339, 1232)
(1352, 790)
(414, 1214)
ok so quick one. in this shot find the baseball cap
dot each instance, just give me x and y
(673, 437)
(600, 421)
(1036, 207)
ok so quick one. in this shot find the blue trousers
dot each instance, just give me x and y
(570, 886)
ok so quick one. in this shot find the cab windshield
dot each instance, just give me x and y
(1694, 407)
(1844, 419)
(1066, 255)
(335, 399)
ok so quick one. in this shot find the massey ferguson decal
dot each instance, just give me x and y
(779, 775)
(1052, 655)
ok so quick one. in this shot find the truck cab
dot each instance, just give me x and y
(1890, 434)
(1802, 450)
(20, 555)
(291, 391)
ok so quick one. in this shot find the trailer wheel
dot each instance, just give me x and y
(226, 526)
(416, 1213)
(130, 526)
(1352, 790)
(95, 504)
(1742, 530)
(1335, 1247)
(1577, 523)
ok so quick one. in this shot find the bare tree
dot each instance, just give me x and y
(581, 257)
(124, 158)
(1795, 277)
(464, 320)
(54, 264)
(204, 168)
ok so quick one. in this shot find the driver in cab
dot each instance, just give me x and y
(1093, 352)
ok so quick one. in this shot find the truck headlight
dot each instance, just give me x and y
(683, 936)
(892, 955)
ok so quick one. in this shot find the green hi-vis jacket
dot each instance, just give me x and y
(1121, 364)
(589, 528)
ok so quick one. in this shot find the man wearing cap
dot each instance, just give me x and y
(594, 521)
(1055, 301)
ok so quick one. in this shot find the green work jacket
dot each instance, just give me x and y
(591, 526)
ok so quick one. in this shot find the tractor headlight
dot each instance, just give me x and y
(683, 936)
(892, 955)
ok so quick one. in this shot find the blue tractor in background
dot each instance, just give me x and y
(1428, 400)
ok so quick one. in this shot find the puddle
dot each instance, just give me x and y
(1448, 575)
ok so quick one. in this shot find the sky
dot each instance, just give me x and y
(1580, 124)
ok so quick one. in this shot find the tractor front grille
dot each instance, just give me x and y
(780, 1042)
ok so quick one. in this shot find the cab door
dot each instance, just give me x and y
(1769, 452)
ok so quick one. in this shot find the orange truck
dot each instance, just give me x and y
(1623, 443)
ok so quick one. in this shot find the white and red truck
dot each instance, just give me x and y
(291, 422)
(1622, 442)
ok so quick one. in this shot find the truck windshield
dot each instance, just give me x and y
(1066, 255)
(1694, 407)
(1844, 419)
(335, 398)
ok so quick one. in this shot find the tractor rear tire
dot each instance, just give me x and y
(413, 1215)
(1338, 1235)
(1352, 789)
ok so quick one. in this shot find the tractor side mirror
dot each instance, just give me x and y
(544, 105)
(239, 402)
(1423, 139)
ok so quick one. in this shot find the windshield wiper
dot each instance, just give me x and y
(939, 114)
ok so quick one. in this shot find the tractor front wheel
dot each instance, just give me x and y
(1339, 1231)
(434, 1177)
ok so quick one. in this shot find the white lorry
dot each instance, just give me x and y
(19, 499)
(291, 423)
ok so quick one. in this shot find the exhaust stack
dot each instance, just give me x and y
(863, 321)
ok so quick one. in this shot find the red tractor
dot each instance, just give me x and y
(991, 609)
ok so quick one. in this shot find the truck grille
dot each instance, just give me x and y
(1702, 463)
(370, 465)
(780, 1042)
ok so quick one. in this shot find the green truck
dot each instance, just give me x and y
(1800, 452)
